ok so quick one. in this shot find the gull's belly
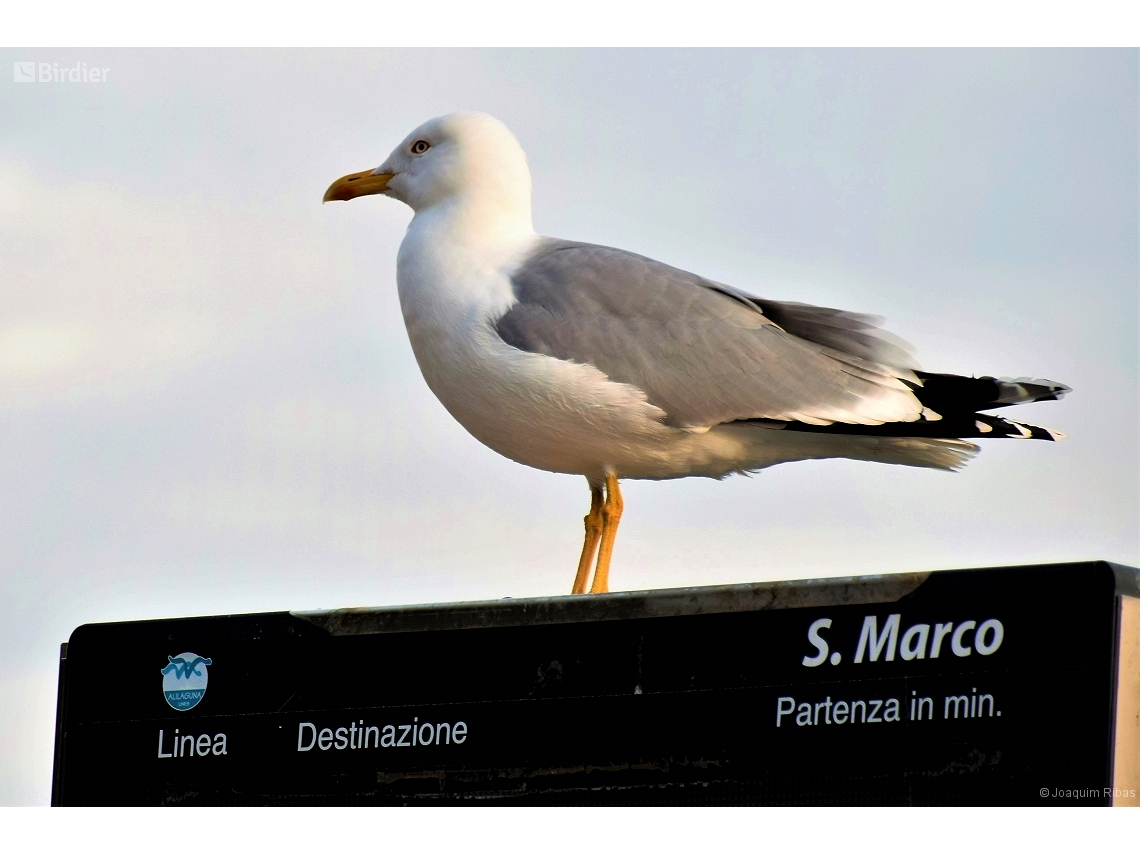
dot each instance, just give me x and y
(538, 410)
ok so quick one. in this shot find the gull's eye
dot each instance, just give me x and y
(420, 146)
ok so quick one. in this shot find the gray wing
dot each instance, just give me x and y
(703, 352)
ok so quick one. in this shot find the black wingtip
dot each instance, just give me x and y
(950, 394)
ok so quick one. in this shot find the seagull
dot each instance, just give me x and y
(584, 359)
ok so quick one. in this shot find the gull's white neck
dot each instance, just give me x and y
(475, 221)
(453, 248)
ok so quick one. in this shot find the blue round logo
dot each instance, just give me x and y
(184, 680)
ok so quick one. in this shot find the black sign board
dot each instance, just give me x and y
(999, 686)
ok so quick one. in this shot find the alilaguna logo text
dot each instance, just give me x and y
(184, 680)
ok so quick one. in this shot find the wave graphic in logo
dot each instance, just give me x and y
(184, 680)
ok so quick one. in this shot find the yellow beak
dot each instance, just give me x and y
(357, 184)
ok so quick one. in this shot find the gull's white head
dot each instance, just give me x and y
(467, 161)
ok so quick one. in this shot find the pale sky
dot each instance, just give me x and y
(208, 403)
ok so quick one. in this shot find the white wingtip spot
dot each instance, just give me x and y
(930, 415)
(983, 427)
(1025, 433)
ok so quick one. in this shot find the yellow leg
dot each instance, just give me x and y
(593, 522)
(611, 516)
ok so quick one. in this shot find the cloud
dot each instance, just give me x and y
(106, 291)
(34, 350)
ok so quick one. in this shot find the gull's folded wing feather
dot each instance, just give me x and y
(703, 352)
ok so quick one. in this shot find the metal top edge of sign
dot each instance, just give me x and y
(662, 602)
(620, 605)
